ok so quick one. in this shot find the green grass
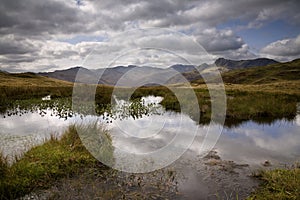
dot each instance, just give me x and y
(41, 166)
(275, 73)
(258, 106)
(248, 100)
(241, 104)
(30, 80)
(266, 74)
(64, 169)
(278, 184)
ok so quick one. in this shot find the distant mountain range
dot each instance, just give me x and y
(135, 75)
(242, 64)
(122, 75)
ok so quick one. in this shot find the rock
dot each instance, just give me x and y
(267, 163)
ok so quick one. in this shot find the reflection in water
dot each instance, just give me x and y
(253, 143)
(19, 133)
(249, 143)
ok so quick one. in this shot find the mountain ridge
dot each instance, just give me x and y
(240, 64)
(139, 74)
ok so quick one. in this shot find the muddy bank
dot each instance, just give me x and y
(190, 177)
(210, 177)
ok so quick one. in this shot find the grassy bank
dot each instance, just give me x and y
(64, 169)
(41, 166)
(278, 184)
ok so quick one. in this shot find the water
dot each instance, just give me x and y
(278, 142)
(237, 153)
(19, 133)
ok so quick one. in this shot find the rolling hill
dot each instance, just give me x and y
(243, 64)
(168, 75)
(30, 79)
(255, 71)
(271, 73)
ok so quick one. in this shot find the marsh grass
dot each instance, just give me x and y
(29, 92)
(278, 184)
(259, 102)
(241, 105)
(41, 166)
(100, 147)
(255, 105)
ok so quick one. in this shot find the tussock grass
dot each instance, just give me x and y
(278, 184)
(254, 105)
(41, 166)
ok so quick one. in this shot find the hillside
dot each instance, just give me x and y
(30, 79)
(111, 76)
(243, 64)
(266, 74)
(249, 74)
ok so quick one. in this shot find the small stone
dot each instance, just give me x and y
(267, 163)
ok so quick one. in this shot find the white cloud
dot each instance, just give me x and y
(285, 49)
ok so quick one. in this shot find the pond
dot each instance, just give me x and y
(224, 170)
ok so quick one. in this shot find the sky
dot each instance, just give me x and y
(57, 34)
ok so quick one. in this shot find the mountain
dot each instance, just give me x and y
(132, 75)
(70, 75)
(275, 73)
(66, 75)
(120, 75)
(241, 64)
(183, 68)
(279, 72)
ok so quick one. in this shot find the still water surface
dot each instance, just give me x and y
(278, 141)
(248, 143)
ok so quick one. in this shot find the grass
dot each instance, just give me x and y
(64, 169)
(266, 74)
(30, 80)
(260, 94)
(259, 106)
(283, 87)
(248, 98)
(275, 73)
(42, 165)
(278, 184)
(242, 104)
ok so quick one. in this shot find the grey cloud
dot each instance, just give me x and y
(36, 25)
(32, 17)
(15, 59)
(11, 44)
(214, 40)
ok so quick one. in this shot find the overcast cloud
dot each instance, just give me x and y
(44, 35)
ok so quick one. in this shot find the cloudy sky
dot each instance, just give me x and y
(57, 34)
